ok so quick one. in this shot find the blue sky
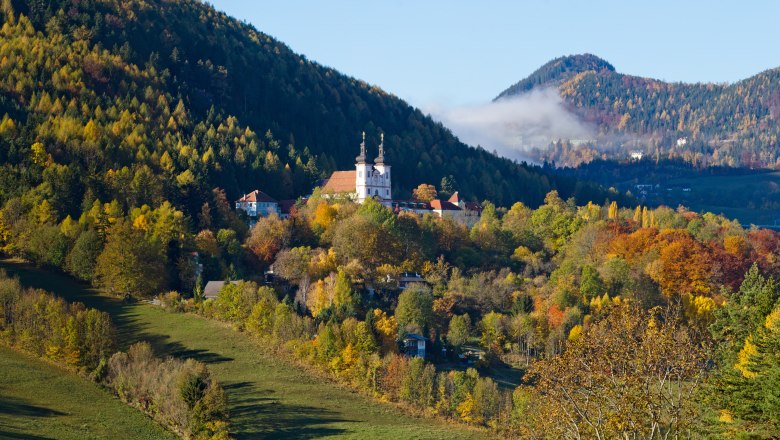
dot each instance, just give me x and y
(453, 52)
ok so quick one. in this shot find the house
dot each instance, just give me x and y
(212, 288)
(414, 345)
(408, 278)
(258, 204)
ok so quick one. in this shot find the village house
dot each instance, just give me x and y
(258, 204)
(414, 345)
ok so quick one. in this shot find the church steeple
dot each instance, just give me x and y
(362, 158)
(380, 160)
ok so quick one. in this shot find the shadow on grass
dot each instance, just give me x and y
(266, 417)
(18, 408)
(251, 416)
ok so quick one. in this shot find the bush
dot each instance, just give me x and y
(177, 393)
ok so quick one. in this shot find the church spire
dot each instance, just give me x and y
(381, 158)
(362, 157)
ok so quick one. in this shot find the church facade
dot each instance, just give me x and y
(366, 181)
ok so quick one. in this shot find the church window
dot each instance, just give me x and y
(360, 174)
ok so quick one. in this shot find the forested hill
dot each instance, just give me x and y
(724, 124)
(557, 71)
(151, 100)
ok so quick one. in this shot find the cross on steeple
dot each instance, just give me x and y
(362, 157)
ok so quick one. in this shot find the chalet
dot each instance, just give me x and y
(258, 204)
(414, 345)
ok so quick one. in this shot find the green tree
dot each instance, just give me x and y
(129, 263)
(459, 330)
(415, 309)
(82, 258)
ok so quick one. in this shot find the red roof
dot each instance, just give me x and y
(442, 205)
(256, 196)
(341, 182)
(454, 199)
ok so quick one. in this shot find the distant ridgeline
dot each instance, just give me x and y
(148, 101)
(705, 124)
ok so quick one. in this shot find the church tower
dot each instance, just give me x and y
(383, 173)
(373, 181)
(363, 171)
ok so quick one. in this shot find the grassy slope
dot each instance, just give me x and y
(39, 400)
(268, 397)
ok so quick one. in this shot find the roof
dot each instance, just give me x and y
(443, 205)
(341, 182)
(414, 336)
(473, 206)
(213, 287)
(454, 198)
(286, 206)
(256, 196)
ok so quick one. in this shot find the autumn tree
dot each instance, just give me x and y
(424, 192)
(268, 237)
(631, 375)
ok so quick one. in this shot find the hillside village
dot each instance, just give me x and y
(366, 181)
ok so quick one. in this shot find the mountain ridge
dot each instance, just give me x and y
(733, 125)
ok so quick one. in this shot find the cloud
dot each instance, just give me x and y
(512, 126)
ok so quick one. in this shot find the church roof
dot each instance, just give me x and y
(256, 196)
(341, 182)
(443, 205)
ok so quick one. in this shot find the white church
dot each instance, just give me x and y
(368, 180)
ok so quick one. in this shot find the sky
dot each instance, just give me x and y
(451, 53)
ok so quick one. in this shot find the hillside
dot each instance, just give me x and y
(556, 72)
(723, 124)
(170, 99)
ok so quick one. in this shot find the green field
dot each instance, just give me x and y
(267, 396)
(41, 401)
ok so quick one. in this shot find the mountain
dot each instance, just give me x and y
(556, 72)
(717, 124)
(144, 101)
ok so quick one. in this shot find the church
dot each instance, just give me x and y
(374, 181)
(367, 180)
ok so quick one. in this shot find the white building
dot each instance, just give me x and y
(258, 204)
(368, 180)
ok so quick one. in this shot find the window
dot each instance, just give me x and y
(387, 192)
